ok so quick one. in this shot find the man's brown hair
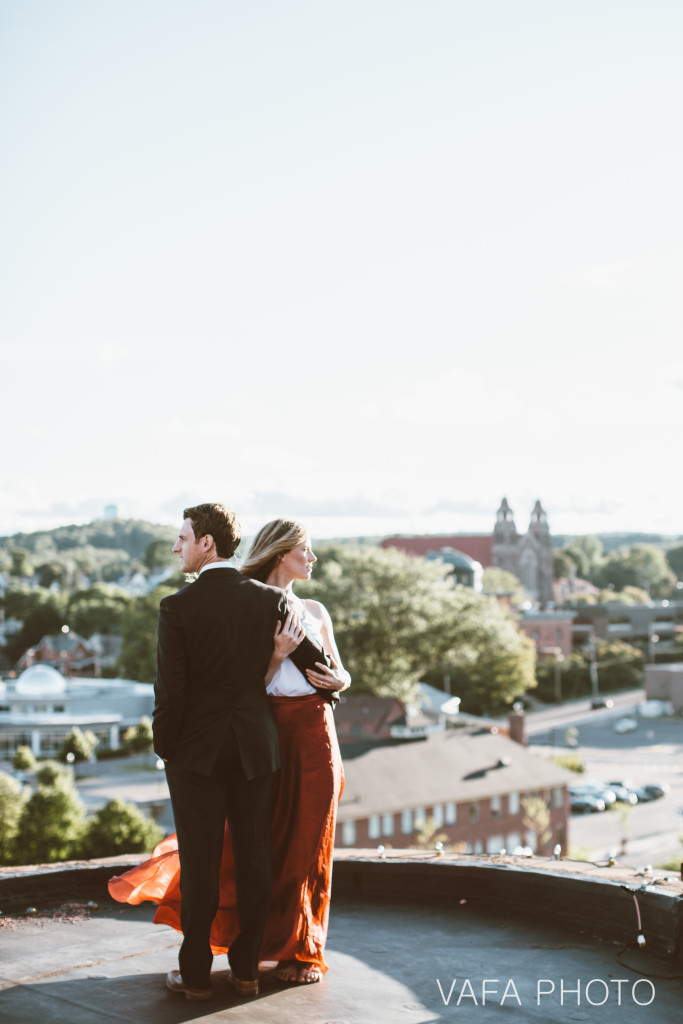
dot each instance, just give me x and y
(218, 521)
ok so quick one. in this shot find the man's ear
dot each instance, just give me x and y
(207, 541)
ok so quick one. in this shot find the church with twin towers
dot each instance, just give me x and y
(528, 556)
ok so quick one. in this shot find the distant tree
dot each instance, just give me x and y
(159, 555)
(117, 568)
(80, 744)
(629, 595)
(536, 819)
(623, 813)
(429, 835)
(396, 617)
(491, 662)
(139, 633)
(117, 828)
(24, 760)
(99, 609)
(12, 800)
(21, 563)
(564, 567)
(41, 613)
(497, 582)
(52, 773)
(52, 822)
(675, 559)
(642, 566)
(619, 665)
(139, 739)
(52, 572)
(586, 554)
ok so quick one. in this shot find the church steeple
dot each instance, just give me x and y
(505, 531)
(539, 521)
(504, 549)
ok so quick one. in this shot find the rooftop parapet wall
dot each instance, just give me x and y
(588, 898)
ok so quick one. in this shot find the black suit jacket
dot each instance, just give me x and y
(215, 640)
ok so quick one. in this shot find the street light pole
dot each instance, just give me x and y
(593, 652)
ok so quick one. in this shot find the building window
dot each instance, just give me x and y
(478, 846)
(437, 815)
(531, 840)
(373, 826)
(387, 824)
(419, 817)
(558, 797)
(513, 803)
(494, 844)
(514, 842)
(474, 815)
(349, 833)
(451, 814)
(495, 809)
(406, 822)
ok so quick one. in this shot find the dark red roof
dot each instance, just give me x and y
(477, 546)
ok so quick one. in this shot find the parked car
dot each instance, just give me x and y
(643, 795)
(601, 702)
(655, 709)
(597, 789)
(625, 725)
(586, 804)
(657, 789)
(624, 792)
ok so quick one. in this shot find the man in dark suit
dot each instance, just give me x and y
(214, 729)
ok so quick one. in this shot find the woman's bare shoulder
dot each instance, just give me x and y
(316, 609)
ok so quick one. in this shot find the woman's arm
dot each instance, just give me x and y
(336, 677)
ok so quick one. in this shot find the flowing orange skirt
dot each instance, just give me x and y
(306, 791)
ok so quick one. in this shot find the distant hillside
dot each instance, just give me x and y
(129, 535)
(613, 541)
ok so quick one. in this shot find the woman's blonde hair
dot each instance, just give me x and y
(272, 540)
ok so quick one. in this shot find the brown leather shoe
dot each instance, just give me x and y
(176, 984)
(244, 988)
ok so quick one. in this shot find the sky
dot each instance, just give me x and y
(371, 263)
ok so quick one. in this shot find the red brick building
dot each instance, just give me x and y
(478, 546)
(472, 785)
(551, 632)
(69, 653)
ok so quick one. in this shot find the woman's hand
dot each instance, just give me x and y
(334, 678)
(288, 636)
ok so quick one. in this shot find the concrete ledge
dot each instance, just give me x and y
(586, 897)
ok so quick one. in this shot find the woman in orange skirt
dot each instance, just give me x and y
(306, 788)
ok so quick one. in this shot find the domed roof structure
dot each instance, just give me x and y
(40, 680)
(458, 559)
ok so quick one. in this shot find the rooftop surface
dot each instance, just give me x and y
(398, 954)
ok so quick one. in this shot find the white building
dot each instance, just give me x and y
(41, 707)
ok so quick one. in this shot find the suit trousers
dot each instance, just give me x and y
(201, 805)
